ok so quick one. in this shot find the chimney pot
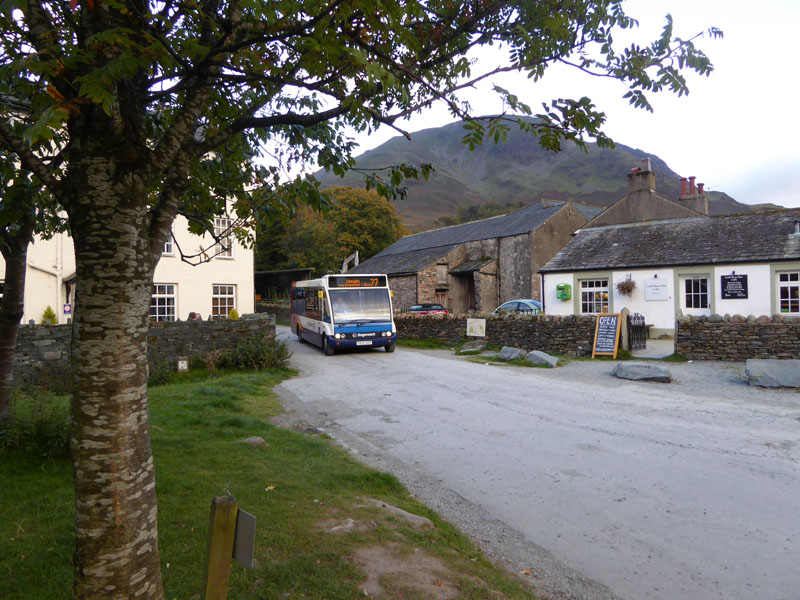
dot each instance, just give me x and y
(700, 187)
(646, 164)
(683, 186)
(692, 190)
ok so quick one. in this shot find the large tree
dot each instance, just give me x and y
(138, 93)
(354, 219)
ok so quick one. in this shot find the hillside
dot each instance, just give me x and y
(517, 170)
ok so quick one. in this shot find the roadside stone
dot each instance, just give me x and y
(255, 442)
(474, 346)
(773, 373)
(642, 372)
(537, 357)
(416, 521)
(510, 353)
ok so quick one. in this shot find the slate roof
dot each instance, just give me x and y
(414, 252)
(752, 237)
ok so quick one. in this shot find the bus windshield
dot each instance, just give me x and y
(362, 304)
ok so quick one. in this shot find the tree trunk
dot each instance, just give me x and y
(116, 553)
(15, 253)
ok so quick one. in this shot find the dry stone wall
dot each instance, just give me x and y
(48, 347)
(564, 335)
(738, 338)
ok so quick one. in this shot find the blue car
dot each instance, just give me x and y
(519, 307)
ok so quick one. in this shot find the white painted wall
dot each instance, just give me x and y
(52, 261)
(662, 313)
(759, 290)
(659, 313)
(194, 283)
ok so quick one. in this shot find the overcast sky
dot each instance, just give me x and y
(737, 130)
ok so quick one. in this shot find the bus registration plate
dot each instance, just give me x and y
(364, 343)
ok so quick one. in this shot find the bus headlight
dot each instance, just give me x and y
(338, 336)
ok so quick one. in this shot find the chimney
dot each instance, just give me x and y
(641, 179)
(683, 186)
(692, 190)
(700, 188)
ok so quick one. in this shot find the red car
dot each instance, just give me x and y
(428, 309)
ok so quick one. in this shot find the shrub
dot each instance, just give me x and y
(38, 425)
(160, 374)
(256, 353)
(49, 317)
(51, 376)
(233, 315)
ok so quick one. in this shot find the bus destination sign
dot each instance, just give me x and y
(357, 282)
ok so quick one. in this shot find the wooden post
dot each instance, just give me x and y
(222, 529)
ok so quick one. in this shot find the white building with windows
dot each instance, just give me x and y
(223, 281)
(739, 265)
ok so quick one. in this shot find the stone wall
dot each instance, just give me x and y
(48, 347)
(737, 338)
(282, 312)
(567, 335)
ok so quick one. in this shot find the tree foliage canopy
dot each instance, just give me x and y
(355, 220)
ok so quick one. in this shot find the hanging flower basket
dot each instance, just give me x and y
(626, 286)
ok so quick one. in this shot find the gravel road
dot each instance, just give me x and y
(603, 488)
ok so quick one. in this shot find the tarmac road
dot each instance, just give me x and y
(604, 488)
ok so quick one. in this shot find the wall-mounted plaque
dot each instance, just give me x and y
(656, 289)
(476, 327)
(734, 287)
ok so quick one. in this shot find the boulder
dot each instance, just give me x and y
(639, 371)
(768, 372)
(537, 357)
(474, 346)
(255, 441)
(509, 353)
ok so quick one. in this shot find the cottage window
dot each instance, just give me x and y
(441, 274)
(789, 292)
(169, 246)
(222, 231)
(696, 292)
(223, 299)
(594, 296)
(162, 302)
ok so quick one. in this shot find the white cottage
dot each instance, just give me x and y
(742, 264)
(211, 289)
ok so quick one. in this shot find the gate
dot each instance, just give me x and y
(637, 332)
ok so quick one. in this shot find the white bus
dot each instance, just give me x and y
(344, 311)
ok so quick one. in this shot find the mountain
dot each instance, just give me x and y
(508, 172)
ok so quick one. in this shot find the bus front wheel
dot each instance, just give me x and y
(390, 347)
(326, 347)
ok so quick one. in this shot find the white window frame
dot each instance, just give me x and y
(164, 291)
(693, 298)
(222, 231)
(588, 288)
(222, 292)
(790, 282)
(169, 246)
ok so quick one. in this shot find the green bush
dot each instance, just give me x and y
(38, 425)
(233, 315)
(256, 353)
(49, 317)
(51, 376)
(160, 374)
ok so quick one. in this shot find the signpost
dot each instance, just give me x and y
(606, 334)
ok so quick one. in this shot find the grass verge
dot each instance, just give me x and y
(299, 487)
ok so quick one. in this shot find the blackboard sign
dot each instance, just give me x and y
(734, 287)
(606, 334)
